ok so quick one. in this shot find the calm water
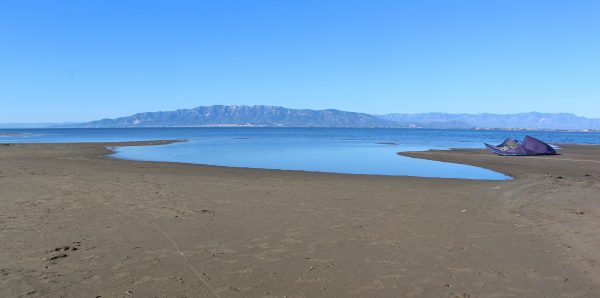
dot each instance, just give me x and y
(354, 151)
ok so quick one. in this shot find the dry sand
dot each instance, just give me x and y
(74, 223)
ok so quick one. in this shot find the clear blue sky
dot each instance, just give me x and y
(84, 60)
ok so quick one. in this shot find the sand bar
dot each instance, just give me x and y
(74, 223)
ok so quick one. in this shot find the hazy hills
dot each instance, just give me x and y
(273, 116)
(532, 120)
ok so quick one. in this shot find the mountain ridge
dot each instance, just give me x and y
(258, 115)
(276, 116)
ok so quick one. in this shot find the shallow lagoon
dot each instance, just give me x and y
(320, 156)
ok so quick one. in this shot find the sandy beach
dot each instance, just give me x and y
(74, 223)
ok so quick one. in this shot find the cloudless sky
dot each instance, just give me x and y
(85, 60)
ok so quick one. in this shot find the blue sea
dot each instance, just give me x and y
(336, 150)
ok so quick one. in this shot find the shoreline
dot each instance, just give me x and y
(76, 223)
(582, 130)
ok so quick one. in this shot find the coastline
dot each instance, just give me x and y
(152, 228)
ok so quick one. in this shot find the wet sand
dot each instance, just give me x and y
(74, 223)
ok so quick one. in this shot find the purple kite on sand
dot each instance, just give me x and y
(529, 146)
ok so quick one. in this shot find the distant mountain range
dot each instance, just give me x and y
(272, 116)
(246, 116)
(532, 120)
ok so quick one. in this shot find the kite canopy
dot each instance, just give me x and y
(529, 146)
